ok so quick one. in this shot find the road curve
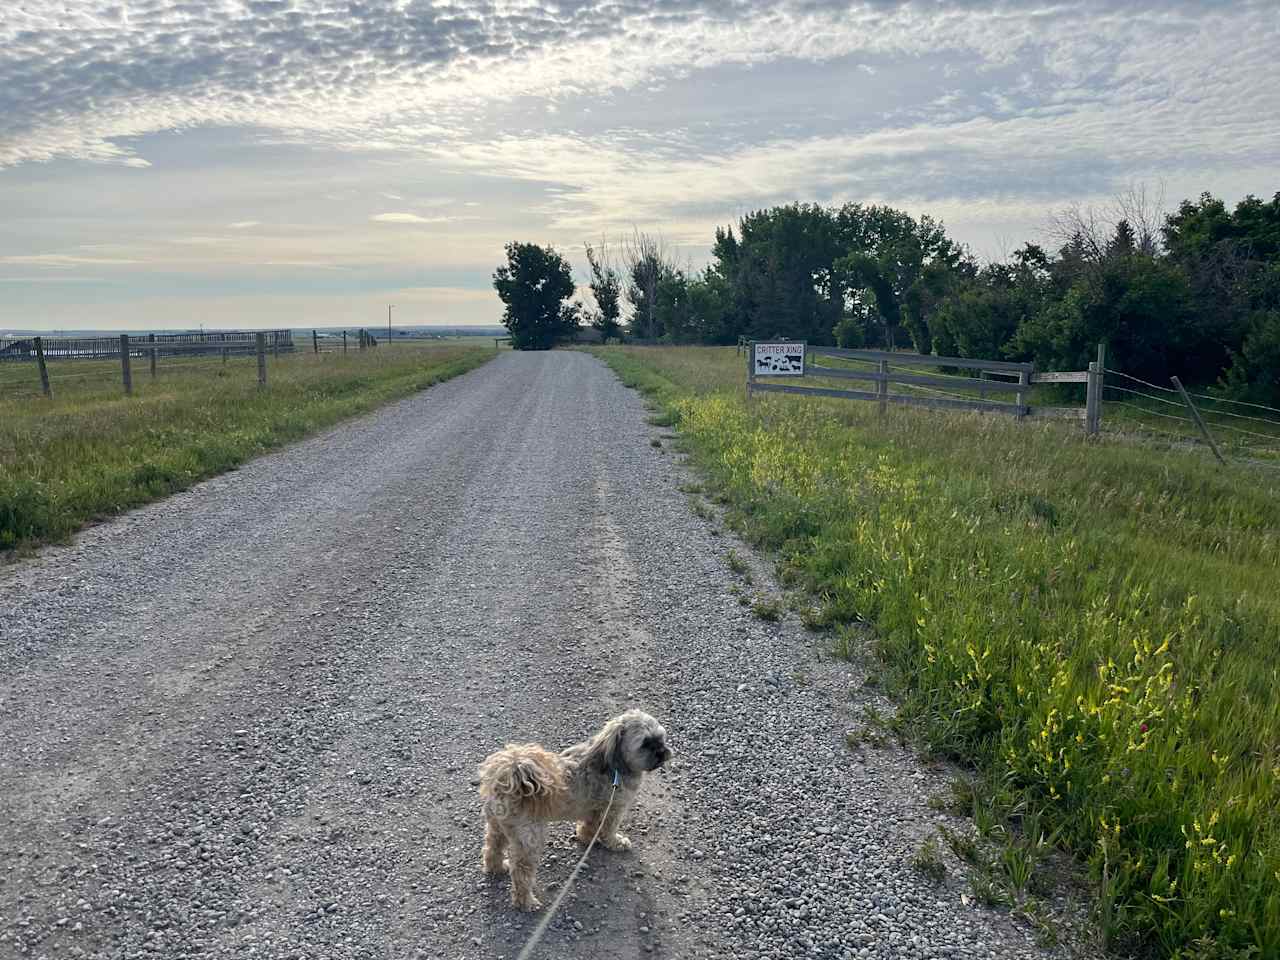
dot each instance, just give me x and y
(244, 721)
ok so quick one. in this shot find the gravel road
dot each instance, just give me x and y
(244, 722)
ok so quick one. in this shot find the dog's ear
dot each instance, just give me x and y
(606, 754)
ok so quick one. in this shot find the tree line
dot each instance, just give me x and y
(1195, 293)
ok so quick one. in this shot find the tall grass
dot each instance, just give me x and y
(91, 452)
(1093, 624)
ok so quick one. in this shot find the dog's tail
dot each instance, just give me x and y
(522, 777)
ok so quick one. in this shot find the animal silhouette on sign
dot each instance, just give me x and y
(780, 363)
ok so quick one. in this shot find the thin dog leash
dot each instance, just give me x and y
(550, 914)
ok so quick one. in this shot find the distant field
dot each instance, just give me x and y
(91, 452)
(1093, 625)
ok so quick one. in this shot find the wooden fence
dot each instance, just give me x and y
(948, 391)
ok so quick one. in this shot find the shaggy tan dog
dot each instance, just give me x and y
(524, 786)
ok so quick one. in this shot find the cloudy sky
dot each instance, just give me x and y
(245, 163)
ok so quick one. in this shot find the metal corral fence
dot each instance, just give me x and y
(234, 342)
(41, 351)
(960, 391)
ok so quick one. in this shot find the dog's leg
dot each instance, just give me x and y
(526, 850)
(495, 845)
(609, 835)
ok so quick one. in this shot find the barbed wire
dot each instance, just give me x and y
(1139, 393)
(1154, 413)
(1145, 383)
(1211, 412)
(1239, 416)
(1251, 433)
(1191, 439)
(1202, 396)
(1243, 403)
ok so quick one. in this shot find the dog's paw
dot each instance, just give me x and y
(529, 903)
(495, 868)
(617, 842)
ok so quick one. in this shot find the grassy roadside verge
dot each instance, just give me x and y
(91, 452)
(1092, 626)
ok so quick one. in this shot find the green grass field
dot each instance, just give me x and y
(90, 452)
(1092, 625)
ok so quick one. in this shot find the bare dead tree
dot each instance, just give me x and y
(1141, 206)
(1144, 209)
(646, 258)
(1078, 224)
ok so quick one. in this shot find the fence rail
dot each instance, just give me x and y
(993, 377)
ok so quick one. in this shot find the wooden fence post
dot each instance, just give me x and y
(1092, 400)
(751, 366)
(124, 364)
(1102, 382)
(1020, 398)
(224, 356)
(260, 340)
(44, 370)
(151, 338)
(344, 343)
(882, 386)
(315, 342)
(1195, 414)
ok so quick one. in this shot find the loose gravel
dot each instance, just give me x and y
(244, 722)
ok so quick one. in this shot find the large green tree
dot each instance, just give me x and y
(1140, 306)
(1227, 256)
(980, 314)
(898, 265)
(534, 285)
(774, 275)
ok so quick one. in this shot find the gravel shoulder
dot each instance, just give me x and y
(244, 721)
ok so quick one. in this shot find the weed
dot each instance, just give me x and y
(928, 860)
(956, 799)
(768, 608)
(987, 890)
(738, 565)
(815, 618)
(1033, 911)
(700, 509)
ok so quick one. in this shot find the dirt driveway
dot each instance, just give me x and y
(244, 722)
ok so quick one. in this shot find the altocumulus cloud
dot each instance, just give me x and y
(406, 218)
(79, 79)
(566, 118)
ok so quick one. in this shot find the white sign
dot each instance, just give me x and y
(779, 359)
